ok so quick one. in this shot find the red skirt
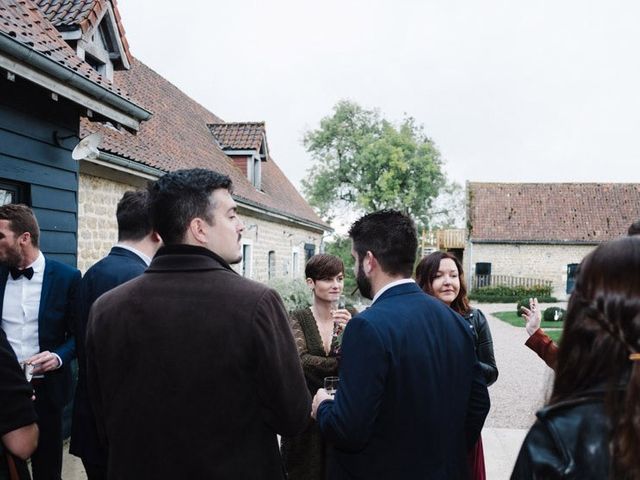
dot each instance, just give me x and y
(476, 461)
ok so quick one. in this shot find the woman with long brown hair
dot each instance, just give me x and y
(591, 427)
(440, 275)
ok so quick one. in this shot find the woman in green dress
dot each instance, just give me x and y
(318, 333)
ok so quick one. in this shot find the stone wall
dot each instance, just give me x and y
(283, 240)
(547, 262)
(97, 227)
(98, 232)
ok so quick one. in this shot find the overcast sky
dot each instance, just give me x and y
(508, 90)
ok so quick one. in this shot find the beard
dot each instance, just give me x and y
(12, 257)
(364, 284)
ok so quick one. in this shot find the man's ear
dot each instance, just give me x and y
(197, 230)
(369, 262)
(310, 283)
(24, 239)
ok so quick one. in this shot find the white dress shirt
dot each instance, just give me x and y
(20, 311)
(145, 258)
(391, 285)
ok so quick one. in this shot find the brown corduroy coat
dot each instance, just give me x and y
(192, 371)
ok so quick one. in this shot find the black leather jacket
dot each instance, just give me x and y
(484, 345)
(570, 440)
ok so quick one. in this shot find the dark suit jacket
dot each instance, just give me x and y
(411, 397)
(56, 318)
(192, 370)
(120, 266)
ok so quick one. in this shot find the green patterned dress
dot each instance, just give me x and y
(305, 455)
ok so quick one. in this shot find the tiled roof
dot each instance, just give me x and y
(64, 14)
(177, 136)
(551, 212)
(24, 22)
(239, 136)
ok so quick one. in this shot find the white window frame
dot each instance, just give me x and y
(295, 262)
(249, 270)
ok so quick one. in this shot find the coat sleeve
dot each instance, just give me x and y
(542, 344)
(484, 349)
(315, 367)
(67, 351)
(348, 421)
(284, 397)
(540, 457)
(93, 376)
(478, 406)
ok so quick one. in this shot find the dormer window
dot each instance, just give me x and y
(97, 65)
(246, 145)
(255, 172)
(95, 35)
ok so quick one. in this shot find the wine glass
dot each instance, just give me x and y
(331, 385)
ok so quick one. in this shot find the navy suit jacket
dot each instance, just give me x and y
(411, 398)
(120, 266)
(56, 319)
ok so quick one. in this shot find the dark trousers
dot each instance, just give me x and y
(95, 472)
(46, 461)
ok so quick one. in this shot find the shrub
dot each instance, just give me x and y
(523, 302)
(518, 291)
(508, 299)
(295, 293)
(553, 314)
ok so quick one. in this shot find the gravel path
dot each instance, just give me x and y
(524, 380)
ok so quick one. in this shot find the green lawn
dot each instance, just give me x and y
(517, 321)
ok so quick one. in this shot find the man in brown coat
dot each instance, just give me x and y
(192, 368)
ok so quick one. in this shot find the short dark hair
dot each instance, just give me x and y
(179, 197)
(323, 266)
(392, 238)
(21, 219)
(426, 272)
(134, 220)
(634, 228)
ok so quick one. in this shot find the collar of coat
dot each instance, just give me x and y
(190, 258)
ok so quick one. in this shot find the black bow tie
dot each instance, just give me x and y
(17, 273)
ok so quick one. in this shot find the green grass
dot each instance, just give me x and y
(517, 321)
(554, 334)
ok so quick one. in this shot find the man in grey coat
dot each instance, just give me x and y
(192, 368)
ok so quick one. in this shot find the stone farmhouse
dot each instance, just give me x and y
(66, 71)
(543, 230)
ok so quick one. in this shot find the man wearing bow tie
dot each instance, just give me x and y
(38, 303)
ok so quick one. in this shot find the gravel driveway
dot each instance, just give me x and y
(524, 380)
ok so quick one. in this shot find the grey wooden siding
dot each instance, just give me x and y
(29, 118)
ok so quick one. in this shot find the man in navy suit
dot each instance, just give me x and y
(411, 399)
(130, 257)
(39, 303)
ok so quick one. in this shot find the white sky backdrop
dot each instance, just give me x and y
(508, 90)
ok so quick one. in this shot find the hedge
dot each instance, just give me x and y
(519, 291)
(507, 299)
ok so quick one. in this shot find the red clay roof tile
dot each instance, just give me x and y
(64, 14)
(551, 212)
(239, 136)
(177, 136)
(23, 21)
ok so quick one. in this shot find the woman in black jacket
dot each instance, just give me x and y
(440, 274)
(591, 427)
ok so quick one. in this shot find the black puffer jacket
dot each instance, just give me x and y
(484, 345)
(570, 440)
